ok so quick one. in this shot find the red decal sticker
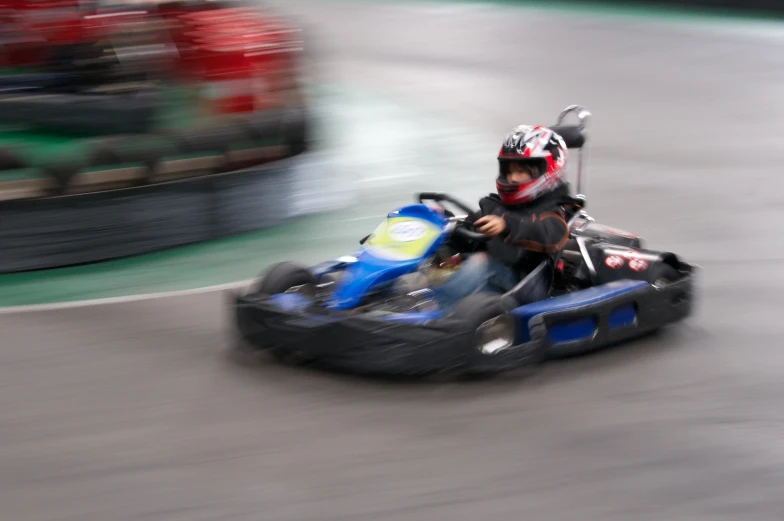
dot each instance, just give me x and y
(638, 264)
(614, 261)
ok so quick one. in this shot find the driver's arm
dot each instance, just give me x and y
(545, 232)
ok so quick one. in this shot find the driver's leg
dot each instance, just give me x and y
(502, 277)
(472, 277)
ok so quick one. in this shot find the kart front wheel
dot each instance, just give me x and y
(282, 276)
(277, 279)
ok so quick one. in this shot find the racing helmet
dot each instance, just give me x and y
(535, 146)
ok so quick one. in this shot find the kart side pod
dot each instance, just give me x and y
(587, 263)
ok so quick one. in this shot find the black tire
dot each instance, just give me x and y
(296, 130)
(471, 313)
(264, 126)
(84, 114)
(96, 153)
(218, 137)
(9, 160)
(277, 279)
(144, 149)
(63, 170)
(663, 274)
(282, 276)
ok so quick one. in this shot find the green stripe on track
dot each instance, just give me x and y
(602, 9)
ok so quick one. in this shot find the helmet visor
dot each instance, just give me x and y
(535, 168)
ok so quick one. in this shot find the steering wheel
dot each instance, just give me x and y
(464, 227)
(438, 204)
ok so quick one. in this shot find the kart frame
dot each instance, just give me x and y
(483, 333)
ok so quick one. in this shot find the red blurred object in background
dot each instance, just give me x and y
(28, 29)
(239, 58)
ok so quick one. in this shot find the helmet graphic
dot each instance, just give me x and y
(538, 148)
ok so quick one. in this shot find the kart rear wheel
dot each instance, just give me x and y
(664, 274)
(282, 276)
(475, 311)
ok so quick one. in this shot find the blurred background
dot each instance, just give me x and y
(154, 154)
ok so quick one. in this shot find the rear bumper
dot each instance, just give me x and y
(634, 309)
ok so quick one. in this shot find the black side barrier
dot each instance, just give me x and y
(113, 201)
(77, 229)
(88, 114)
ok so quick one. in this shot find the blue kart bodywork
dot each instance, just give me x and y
(376, 265)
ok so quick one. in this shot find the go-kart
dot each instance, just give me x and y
(373, 311)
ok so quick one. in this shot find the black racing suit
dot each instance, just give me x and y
(534, 231)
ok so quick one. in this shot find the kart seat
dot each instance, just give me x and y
(533, 288)
(573, 135)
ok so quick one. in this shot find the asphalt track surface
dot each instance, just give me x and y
(135, 412)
